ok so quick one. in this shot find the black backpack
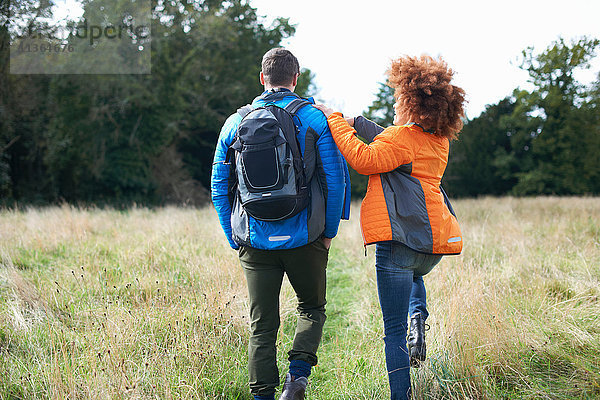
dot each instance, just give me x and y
(267, 167)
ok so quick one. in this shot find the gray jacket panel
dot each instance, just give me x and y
(405, 203)
(318, 194)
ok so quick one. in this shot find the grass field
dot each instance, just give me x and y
(151, 304)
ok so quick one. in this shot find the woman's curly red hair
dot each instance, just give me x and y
(423, 91)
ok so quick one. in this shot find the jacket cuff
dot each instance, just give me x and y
(335, 114)
(233, 244)
(330, 233)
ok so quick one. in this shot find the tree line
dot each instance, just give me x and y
(542, 141)
(149, 139)
(123, 139)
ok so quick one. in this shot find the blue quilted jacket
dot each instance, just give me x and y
(330, 186)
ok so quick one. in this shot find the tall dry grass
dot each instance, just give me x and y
(516, 316)
(107, 304)
(146, 304)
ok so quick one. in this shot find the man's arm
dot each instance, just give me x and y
(219, 183)
(366, 128)
(333, 168)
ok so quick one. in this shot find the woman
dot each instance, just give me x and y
(405, 211)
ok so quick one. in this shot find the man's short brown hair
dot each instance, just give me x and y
(279, 66)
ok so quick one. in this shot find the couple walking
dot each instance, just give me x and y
(405, 211)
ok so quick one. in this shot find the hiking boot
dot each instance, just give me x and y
(417, 350)
(293, 388)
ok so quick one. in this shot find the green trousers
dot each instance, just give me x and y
(305, 268)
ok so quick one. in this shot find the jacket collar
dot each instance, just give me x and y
(420, 126)
(276, 90)
(276, 94)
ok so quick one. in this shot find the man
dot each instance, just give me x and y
(297, 246)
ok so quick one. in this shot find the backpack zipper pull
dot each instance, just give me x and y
(365, 250)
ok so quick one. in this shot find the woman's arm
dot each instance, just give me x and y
(387, 152)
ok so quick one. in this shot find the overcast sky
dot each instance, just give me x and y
(349, 44)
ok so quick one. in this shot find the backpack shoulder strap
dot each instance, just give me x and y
(236, 145)
(245, 110)
(296, 104)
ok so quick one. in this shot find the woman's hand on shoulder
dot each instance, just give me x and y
(326, 110)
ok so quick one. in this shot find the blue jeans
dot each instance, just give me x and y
(401, 290)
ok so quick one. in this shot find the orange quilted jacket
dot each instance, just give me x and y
(404, 200)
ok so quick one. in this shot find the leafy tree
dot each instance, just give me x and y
(382, 109)
(143, 138)
(478, 162)
(306, 86)
(557, 110)
(6, 134)
(24, 106)
(590, 169)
